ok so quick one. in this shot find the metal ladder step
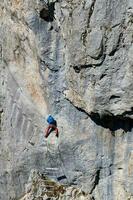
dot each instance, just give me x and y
(49, 174)
(53, 169)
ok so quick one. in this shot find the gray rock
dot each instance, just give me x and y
(75, 62)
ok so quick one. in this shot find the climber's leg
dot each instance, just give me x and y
(57, 132)
(49, 130)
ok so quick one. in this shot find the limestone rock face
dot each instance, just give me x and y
(40, 187)
(72, 59)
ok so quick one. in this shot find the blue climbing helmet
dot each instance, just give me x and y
(51, 120)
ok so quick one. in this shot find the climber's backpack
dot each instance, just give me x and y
(51, 120)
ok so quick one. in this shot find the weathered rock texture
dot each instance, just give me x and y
(41, 187)
(72, 59)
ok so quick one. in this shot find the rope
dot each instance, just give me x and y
(60, 158)
(48, 153)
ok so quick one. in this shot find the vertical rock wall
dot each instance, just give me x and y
(72, 59)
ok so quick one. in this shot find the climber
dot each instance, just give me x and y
(51, 127)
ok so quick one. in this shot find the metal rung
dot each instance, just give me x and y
(54, 177)
(49, 181)
(48, 173)
(49, 168)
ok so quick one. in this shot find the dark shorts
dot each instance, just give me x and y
(53, 123)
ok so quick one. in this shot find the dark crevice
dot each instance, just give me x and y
(1, 112)
(47, 14)
(113, 122)
(51, 28)
(90, 12)
(114, 97)
(52, 69)
(77, 68)
(120, 168)
(118, 45)
(102, 59)
(44, 66)
(118, 24)
(113, 133)
(129, 112)
(32, 143)
(110, 121)
(102, 76)
(113, 52)
(96, 181)
(83, 37)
